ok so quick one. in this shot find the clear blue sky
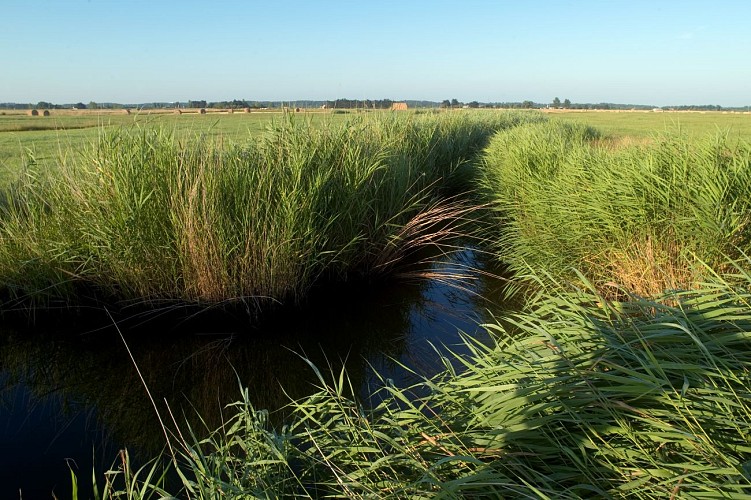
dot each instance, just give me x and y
(626, 51)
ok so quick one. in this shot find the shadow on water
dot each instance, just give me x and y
(70, 395)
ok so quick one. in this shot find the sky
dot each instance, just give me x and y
(659, 52)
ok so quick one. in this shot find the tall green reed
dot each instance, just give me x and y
(578, 396)
(143, 215)
(645, 216)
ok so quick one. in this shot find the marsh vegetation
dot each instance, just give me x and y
(626, 372)
(143, 215)
(645, 218)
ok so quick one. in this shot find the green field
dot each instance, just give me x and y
(48, 137)
(643, 124)
(44, 134)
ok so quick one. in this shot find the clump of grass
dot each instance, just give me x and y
(142, 215)
(124, 482)
(580, 396)
(645, 216)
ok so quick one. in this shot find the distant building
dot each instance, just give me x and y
(399, 106)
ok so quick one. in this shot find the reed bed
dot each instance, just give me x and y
(580, 396)
(646, 216)
(144, 216)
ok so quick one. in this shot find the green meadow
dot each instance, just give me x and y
(46, 138)
(627, 372)
(643, 124)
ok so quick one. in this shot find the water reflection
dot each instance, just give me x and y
(70, 387)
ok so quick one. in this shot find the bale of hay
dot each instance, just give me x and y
(247, 110)
(126, 111)
(179, 111)
(202, 111)
(46, 112)
(33, 112)
(230, 111)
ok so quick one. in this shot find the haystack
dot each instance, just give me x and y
(126, 111)
(399, 106)
(33, 112)
(202, 111)
(46, 112)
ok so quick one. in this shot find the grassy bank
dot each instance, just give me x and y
(643, 125)
(143, 215)
(581, 396)
(642, 216)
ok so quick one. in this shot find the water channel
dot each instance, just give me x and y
(70, 396)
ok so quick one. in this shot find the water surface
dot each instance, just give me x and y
(71, 396)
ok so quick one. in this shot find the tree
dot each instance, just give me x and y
(455, 103)
(556, 103)
(566, 104)
(446, 103)
(527, 104)
(474, 104)
(79, 105)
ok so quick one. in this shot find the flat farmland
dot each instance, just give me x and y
(643, 124)
(46, 138)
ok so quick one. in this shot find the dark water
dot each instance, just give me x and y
(71, 397)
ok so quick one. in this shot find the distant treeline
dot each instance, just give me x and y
(691, 107)
(360, 103)
(608, 106)
(344, 103)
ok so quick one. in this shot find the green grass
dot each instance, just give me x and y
(580, 397)
(46, 138)
(148, 215)
(643, 216)
(643, 125)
